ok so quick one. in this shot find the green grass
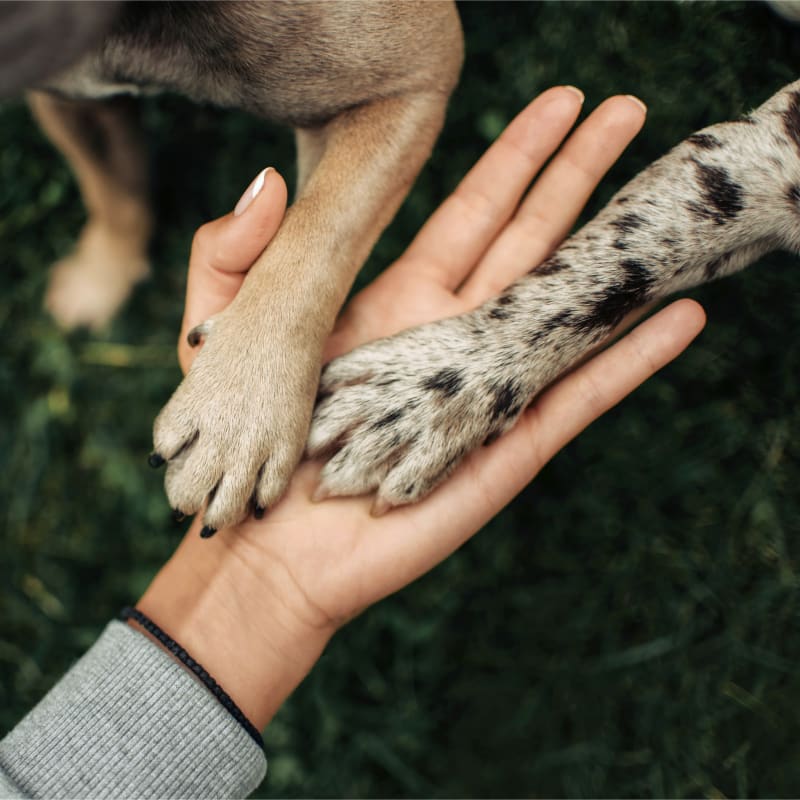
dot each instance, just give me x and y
(630, 626)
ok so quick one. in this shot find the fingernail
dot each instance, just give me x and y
(155, 460)
(637, 101)
(207, 532)
(577, 91)
(250, 193)
(258, 512)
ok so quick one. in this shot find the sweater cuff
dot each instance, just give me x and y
(128, 721)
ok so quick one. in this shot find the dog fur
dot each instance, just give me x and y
(399, 414)
(365, 87)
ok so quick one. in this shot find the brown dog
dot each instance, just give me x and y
(365, 87)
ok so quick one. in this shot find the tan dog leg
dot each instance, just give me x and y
(235, 428)
(99, 140)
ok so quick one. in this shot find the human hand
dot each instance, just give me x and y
(223, 251)
(257, 603)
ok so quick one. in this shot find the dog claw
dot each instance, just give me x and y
(156, 460)
(198, 333)
(178, 515)
(320, 493)
(207, 532)
(380, 506)
(258, 512)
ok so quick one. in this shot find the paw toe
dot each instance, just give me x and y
(354, 368)
(421, 469)
(229, 502)
(346, 475)
(173, 433)
(272, 480)
(190, 478)
(335, 418)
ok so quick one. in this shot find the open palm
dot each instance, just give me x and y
(322, 563)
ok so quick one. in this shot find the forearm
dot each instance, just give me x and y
(235, 615)
(128, 716)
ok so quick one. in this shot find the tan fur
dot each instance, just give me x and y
(365, 85)
(107, 157)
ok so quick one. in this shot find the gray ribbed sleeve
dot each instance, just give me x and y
(128, 721)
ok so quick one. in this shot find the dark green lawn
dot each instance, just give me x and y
(630, 626)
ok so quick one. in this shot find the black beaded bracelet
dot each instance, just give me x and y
(225, 700)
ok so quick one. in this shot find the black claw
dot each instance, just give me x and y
(155, 460)
(207, 532)
(258, 512)
(195, 336)
(178, 515)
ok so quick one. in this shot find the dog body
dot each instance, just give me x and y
(365, 86)
(299, 64)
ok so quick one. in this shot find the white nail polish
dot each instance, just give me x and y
(251, 192)
(577, 91)
(637, 101)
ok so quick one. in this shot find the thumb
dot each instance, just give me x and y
(224, 249)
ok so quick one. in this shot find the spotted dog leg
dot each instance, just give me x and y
(399, 414)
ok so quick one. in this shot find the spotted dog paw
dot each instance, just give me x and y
(234, 429)
(399, 414)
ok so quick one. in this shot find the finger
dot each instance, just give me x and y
(462, 228)
(553, 204)
(224, 250)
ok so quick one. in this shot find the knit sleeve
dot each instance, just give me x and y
(128, 721)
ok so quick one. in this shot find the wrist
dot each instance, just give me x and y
(242, 619)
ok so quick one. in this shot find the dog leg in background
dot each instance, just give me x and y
(100, 141)
(236, 427)
(399, 414)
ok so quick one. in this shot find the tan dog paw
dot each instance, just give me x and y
(234, 429)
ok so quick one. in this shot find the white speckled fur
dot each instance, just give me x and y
(400, 413)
